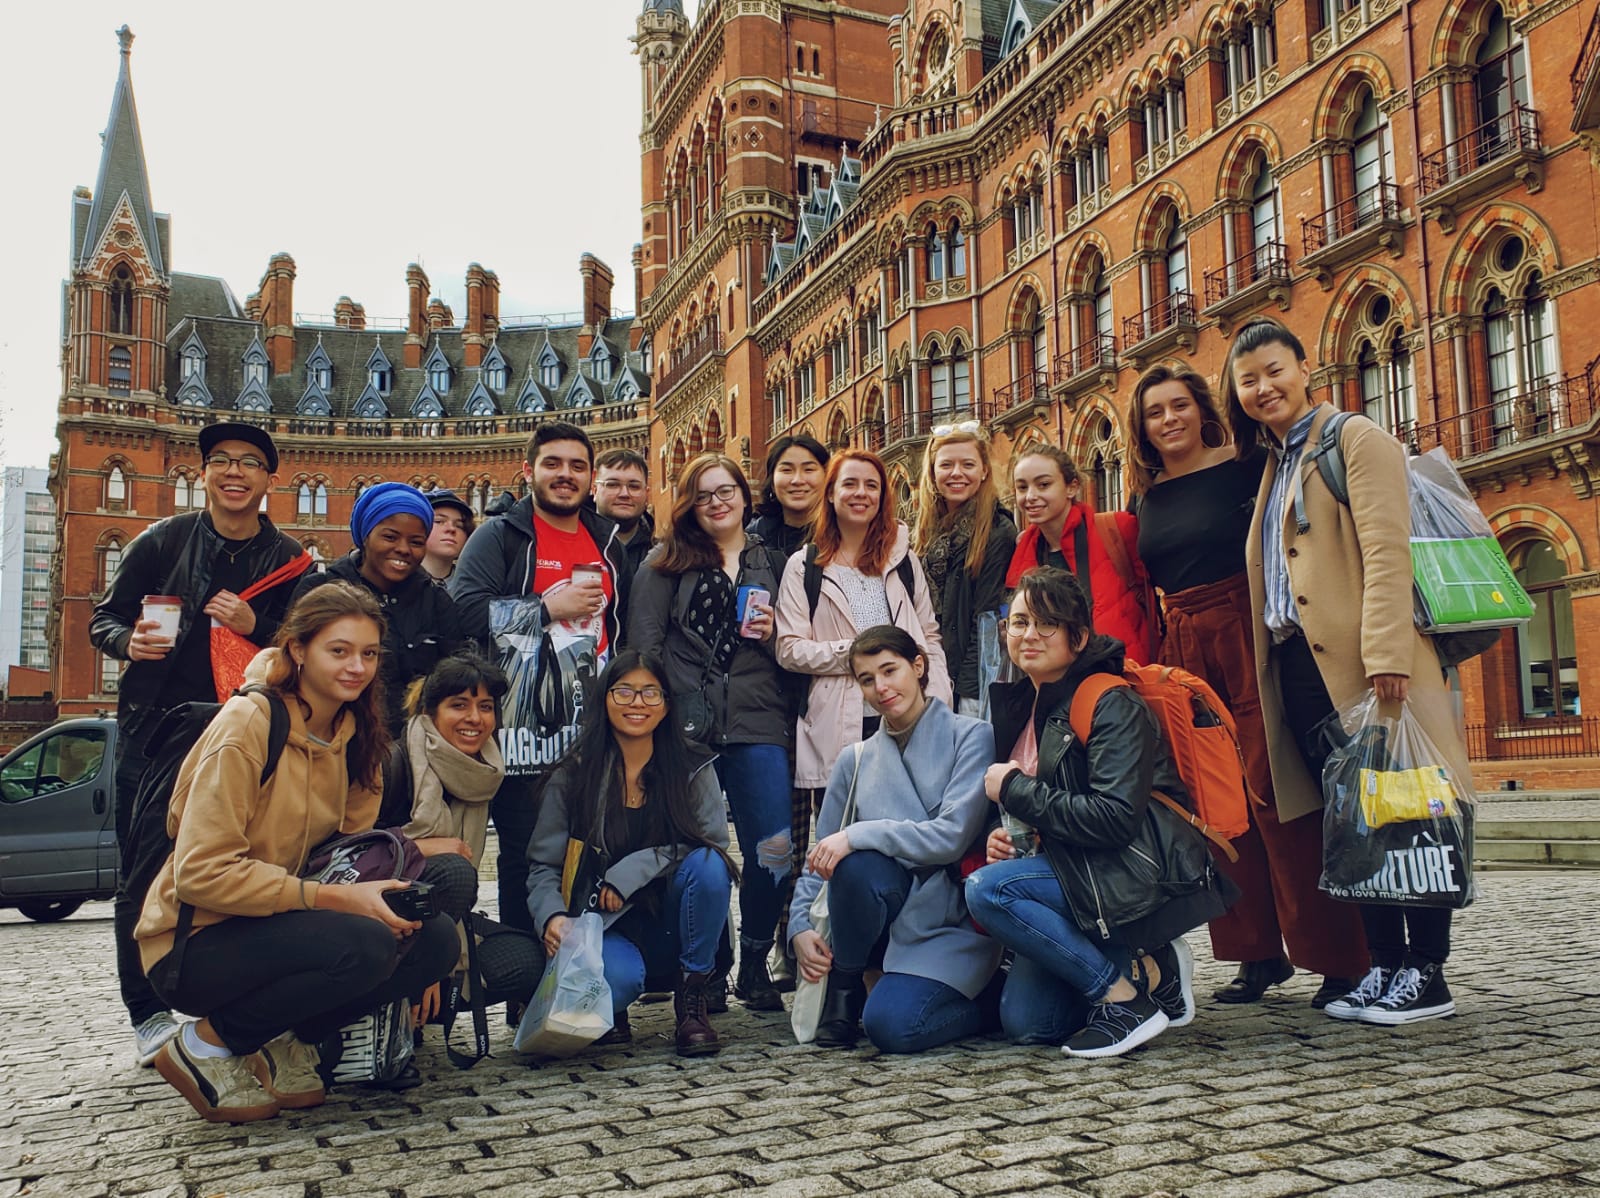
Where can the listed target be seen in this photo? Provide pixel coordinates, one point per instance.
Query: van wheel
(49, 910)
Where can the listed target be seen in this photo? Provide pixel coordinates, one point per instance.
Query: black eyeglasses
(722, 494)
(623, 696)
(221, 461)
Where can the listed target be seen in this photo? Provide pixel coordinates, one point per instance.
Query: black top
(190, 678)
(1193, 528)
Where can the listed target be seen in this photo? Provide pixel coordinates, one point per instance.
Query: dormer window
(549, 368)
(121, 301)
(438, 368)
(255, 372)
(381, 380)
(194, 365)
(495, 378)
(600, 363)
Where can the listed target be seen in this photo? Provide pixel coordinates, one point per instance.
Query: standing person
(1195, 496)
(1096, 912)
(275, 962)
(724, 678)
(622, 495)
(633, 793)
(452, 525)
(204, 559)
(789, 495)
(863, 574)
(1330, 586)
(531, 550)
(1063, 531)
(915, 794)
(390, 524)
(965, 540)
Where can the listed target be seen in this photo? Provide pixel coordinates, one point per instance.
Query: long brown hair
(931, 516)
(684, 544)
(312, 613)
(1145, 458)
(879, 542)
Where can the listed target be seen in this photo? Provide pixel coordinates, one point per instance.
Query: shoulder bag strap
(292, 568)
(480, 1012)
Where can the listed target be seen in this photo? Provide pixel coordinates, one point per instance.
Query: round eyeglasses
(624, 696)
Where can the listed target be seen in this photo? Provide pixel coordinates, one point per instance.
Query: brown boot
(696, 1037)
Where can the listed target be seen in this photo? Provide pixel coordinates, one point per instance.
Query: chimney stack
(491, 303)
(439, 315)
(636, 330)
(347, 314)
(597, 280)
(277, 312)
(416, 316)
(473, 334)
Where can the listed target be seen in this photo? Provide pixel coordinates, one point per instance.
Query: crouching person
(900, 810)
(437, 785)
(1097, 909)
(654, 822)
(271, 962)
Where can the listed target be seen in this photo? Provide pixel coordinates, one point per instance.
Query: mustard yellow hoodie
(239, 846)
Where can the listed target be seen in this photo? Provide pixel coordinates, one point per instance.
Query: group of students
(802, 663)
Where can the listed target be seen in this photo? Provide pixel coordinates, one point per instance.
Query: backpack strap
(908, 576)
(812, 576)
(1328, 454)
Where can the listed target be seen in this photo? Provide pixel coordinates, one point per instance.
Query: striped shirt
(1282, 617)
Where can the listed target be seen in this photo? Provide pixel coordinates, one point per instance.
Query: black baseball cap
(214, 434)
(444, 497)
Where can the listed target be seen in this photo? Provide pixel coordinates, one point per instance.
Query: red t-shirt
(557, 553)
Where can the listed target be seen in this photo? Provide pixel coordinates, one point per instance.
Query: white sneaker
(287, 1069)
(152, 1035)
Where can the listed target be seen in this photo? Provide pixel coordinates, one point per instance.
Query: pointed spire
(122, 169)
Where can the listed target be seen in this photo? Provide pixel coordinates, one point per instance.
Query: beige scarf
(450, 791)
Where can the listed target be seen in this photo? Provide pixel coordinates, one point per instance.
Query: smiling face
(619, 493)
(797, 481)
(891, 685)
(1043, 497)
(958, 471)
(465, 720)
(393, 551)
(235, 489)
(560, 476)
(449, 533)
(1173, 420)
(635, 719)
(857, 494)
(338, 663)
(718, 516)
(1043, 652)
(1274, 387)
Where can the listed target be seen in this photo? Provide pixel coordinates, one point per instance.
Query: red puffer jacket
(1119, 611)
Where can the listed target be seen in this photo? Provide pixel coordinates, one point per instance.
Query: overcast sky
(357, 137)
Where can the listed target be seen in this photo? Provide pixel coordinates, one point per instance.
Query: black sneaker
(1414, 994)
(1359, 1002)
(1118, 1027)
(1174, 993)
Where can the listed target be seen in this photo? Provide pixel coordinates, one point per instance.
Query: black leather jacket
(1132, 871)
(176, 556)
(963, 598)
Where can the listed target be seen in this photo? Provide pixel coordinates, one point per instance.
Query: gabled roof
(533, 397)
(313, 400)
(823, 208)
(378, 360)
(122, 173)
(480, 401)
(584, 392)
(253, 397)
(427, 402)
(255, 353)
(193, 344)
(493, 359)
(370, 405)
(319, 359)
(437, 361)
(1022, 18)
(193, 393)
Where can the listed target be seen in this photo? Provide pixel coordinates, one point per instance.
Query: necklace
(233, 554)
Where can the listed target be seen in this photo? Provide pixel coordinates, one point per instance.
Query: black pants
(515, 809)
(138, 996)
(455, 884)
(1395, 935)
(311, 972)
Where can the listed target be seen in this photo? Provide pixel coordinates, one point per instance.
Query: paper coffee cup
(165, 610)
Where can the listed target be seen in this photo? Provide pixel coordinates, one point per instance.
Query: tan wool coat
(820, 646)
(1351, 578)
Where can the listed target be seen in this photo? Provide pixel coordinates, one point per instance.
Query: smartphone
(749, 598)
(414, 902)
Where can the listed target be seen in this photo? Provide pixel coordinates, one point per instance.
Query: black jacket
(423, 627)
(745, 706)
(644, 540)
(176, 556)
(778, 535)
(1131, 870)
(498, 563)
(963, 598)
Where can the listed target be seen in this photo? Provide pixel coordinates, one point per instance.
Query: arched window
(302, 506)
(314, 549)
(1499, 85)
(1175, 255)
(1371, 162)
(116, 489)
(119, 370)
(1265, 220)
(1105, 466)
(960, 376)
(1547, 650)
(1100, 288)
(439, 377)
(935, 254)
(778, 396)
(319, 503)
(1032, 357)
(121, 313)
(181, 493)
(193, 365)
(958, 251)
(110, 563)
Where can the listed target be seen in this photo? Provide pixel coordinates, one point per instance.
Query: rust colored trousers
(1209, 633)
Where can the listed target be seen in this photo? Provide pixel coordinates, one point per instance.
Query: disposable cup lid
(169, 599)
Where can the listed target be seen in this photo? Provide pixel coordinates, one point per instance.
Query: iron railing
(705, 341)
(1541, 410)
(1557, 736)
(1175, 309)
(1267, 261)
(1378, 204)
(1586, 55)
(1030, 386)
(1514, 132)
(1097, 351)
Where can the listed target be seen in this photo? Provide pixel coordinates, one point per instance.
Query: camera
(414, 902)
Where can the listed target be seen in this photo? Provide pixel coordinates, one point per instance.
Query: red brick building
(149, 355)
(863, 219)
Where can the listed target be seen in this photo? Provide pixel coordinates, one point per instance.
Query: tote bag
(807, 1009)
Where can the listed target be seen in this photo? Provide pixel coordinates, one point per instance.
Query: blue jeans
(757, 779)
(1020, 903)
(683, 935)
(904, 1012)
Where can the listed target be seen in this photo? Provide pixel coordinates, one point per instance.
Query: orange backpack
(1203, 739)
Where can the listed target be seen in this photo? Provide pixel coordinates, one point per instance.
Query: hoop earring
(1221, 434)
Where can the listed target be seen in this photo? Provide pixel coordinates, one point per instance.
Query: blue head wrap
(377, 503)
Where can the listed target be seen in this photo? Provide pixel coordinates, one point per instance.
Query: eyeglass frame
(965, 426)
(245, 462)
(631, 485)
(1030, 621)
(705, 498)
(636, 693)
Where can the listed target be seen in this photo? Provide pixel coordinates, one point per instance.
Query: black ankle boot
(839, 1024)
(1253, 980)
(753, 987)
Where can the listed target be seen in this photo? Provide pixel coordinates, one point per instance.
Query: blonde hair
(931, 516)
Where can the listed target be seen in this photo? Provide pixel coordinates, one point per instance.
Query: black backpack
(812, 577)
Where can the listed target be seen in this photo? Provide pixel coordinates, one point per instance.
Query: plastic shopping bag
(550, 669)
(806, 1012)
(572, 1006)
(1397, 819)
(1461, 575)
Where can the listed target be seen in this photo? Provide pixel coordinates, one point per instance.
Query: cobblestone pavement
(1248, 1102)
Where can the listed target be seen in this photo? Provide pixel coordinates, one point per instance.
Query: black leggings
(311, 972)
(1396, 936)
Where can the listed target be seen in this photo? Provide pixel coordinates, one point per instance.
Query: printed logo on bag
(550, 669)
(1424, 872)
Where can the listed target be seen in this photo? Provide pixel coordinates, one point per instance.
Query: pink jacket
(818, 645)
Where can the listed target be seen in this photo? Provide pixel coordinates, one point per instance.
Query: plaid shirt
(1281, 615)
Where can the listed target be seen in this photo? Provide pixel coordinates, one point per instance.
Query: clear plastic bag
(1461, 576)
(1397, 820)
(549, 669)
(571, 1008)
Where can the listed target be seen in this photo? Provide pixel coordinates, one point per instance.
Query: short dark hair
(452, 676)
(1057, 596)
(890, 638)
(557, 430)
(622, 459)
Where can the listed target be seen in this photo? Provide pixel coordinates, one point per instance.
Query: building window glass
(119, 372)
(110, 675)
(1105, 466)
(121, 314)
(935, 256)
(1547, 647)
(110, 563)
(116, 488)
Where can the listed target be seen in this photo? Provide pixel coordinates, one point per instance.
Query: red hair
(879, 542)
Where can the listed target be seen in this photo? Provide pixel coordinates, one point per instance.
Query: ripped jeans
(756, 779)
